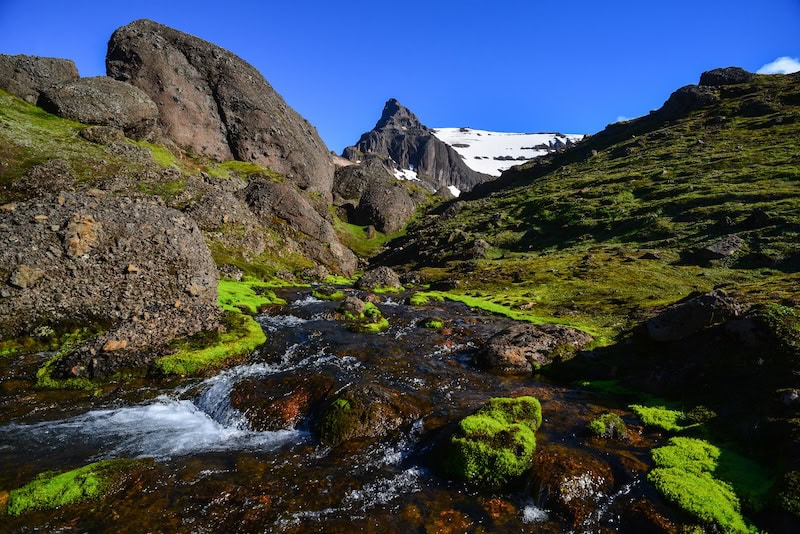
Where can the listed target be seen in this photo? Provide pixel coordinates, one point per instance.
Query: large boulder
(27, 76)
(212, 102)
(388, 208)
(274, 201)
(103, 101)
(726, 76)
(522, 348)
(693, 315)
(380, 277)
(130, 265)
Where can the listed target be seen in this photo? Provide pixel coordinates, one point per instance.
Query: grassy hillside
(567, 234)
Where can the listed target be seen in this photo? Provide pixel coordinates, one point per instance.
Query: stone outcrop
(139, 269)
(271, 201)
(400, 136)
(212, 102)
(522, 348)
(103, 101)
(380, 277)
(693, 315)
(27, 76)
(726, 76)
(387, 208)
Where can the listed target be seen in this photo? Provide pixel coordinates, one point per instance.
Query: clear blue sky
(571, 66)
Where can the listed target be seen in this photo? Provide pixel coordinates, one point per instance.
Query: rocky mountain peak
(398, 117)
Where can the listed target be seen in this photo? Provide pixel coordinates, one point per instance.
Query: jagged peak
(397, 116)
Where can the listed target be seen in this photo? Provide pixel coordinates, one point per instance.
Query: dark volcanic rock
(688, 317)
(387, 208)
(212, 102)
(379, 277)
(103, 101)
(722, 249)
(521, 348)
(350, 182)
(400, 135)
(726, 76)
(138, 267)
(26, 76)
(271, 200)
(685, 100)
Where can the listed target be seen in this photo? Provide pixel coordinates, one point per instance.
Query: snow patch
(454, 190)
(406, 174)
(480, 148)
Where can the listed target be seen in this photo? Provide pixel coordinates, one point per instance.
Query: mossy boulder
(496, 444)
(362, 317)
(608, 425)
(365, 412)
(523, 348)
(53, 489)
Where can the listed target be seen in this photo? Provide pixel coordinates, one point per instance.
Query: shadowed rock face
(26, 76)
(212, 102)
(400, 136)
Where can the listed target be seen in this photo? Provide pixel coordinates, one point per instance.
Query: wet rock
(366, 412)
(693, 315)
(26, 76)
(642, 515)
(103, 101)
(280, 401)
(523, 348)
(571, 481)
(211, 102)
(381, 277)
(353, 306)
(722, 249)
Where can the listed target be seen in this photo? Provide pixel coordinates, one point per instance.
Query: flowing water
(208, 470)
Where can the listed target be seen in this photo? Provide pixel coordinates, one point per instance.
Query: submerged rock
(522, 348)
(366, 411)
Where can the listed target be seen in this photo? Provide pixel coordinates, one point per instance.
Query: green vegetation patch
(433, 323)
(52, 489)
(496, 444)
(609, 426)
(248, 296)
(661, 417)
(684, 475)
(361, 240)
(371, 321)
(324, 293)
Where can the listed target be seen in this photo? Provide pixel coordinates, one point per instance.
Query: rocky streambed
(248, 450)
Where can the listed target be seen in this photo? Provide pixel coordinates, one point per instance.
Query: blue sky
(571, 66)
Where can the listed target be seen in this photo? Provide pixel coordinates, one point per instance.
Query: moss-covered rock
(496, 444)
(52, 489)
(608, 425)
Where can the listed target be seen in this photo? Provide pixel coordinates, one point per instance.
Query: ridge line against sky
(514, 66)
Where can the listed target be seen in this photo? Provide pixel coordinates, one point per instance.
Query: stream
(210, 469)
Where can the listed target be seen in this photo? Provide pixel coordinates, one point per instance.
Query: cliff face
(212, 102)
(400, 136)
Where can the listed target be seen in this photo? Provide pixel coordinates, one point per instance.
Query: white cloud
(782, 65)
(622, 118)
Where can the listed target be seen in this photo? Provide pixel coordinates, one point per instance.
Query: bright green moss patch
(328, 294)
(360, 239)
(242, 337)
(249, 296)
(433, 324)
(339, 280)
(418, 299)
(608, 425)
(661, 417)
(52, 490)
(496, 444)
(371, 321)
(685, 476)
(161, 155)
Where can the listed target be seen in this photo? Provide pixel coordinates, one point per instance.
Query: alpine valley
(211, 323)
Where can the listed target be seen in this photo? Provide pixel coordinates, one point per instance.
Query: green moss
(52, 489)
(357, 238)
(249, 296)
(371, 321)
(707, 482)
(661, 417)
(433, 324)
(418, 299)
(339, 280)
(240, 169)
(161, 155)
(325, 294)
(608, 425)
(496, 444)
(44, 375)
(336, 422)
(242, 337)
(387, 289)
